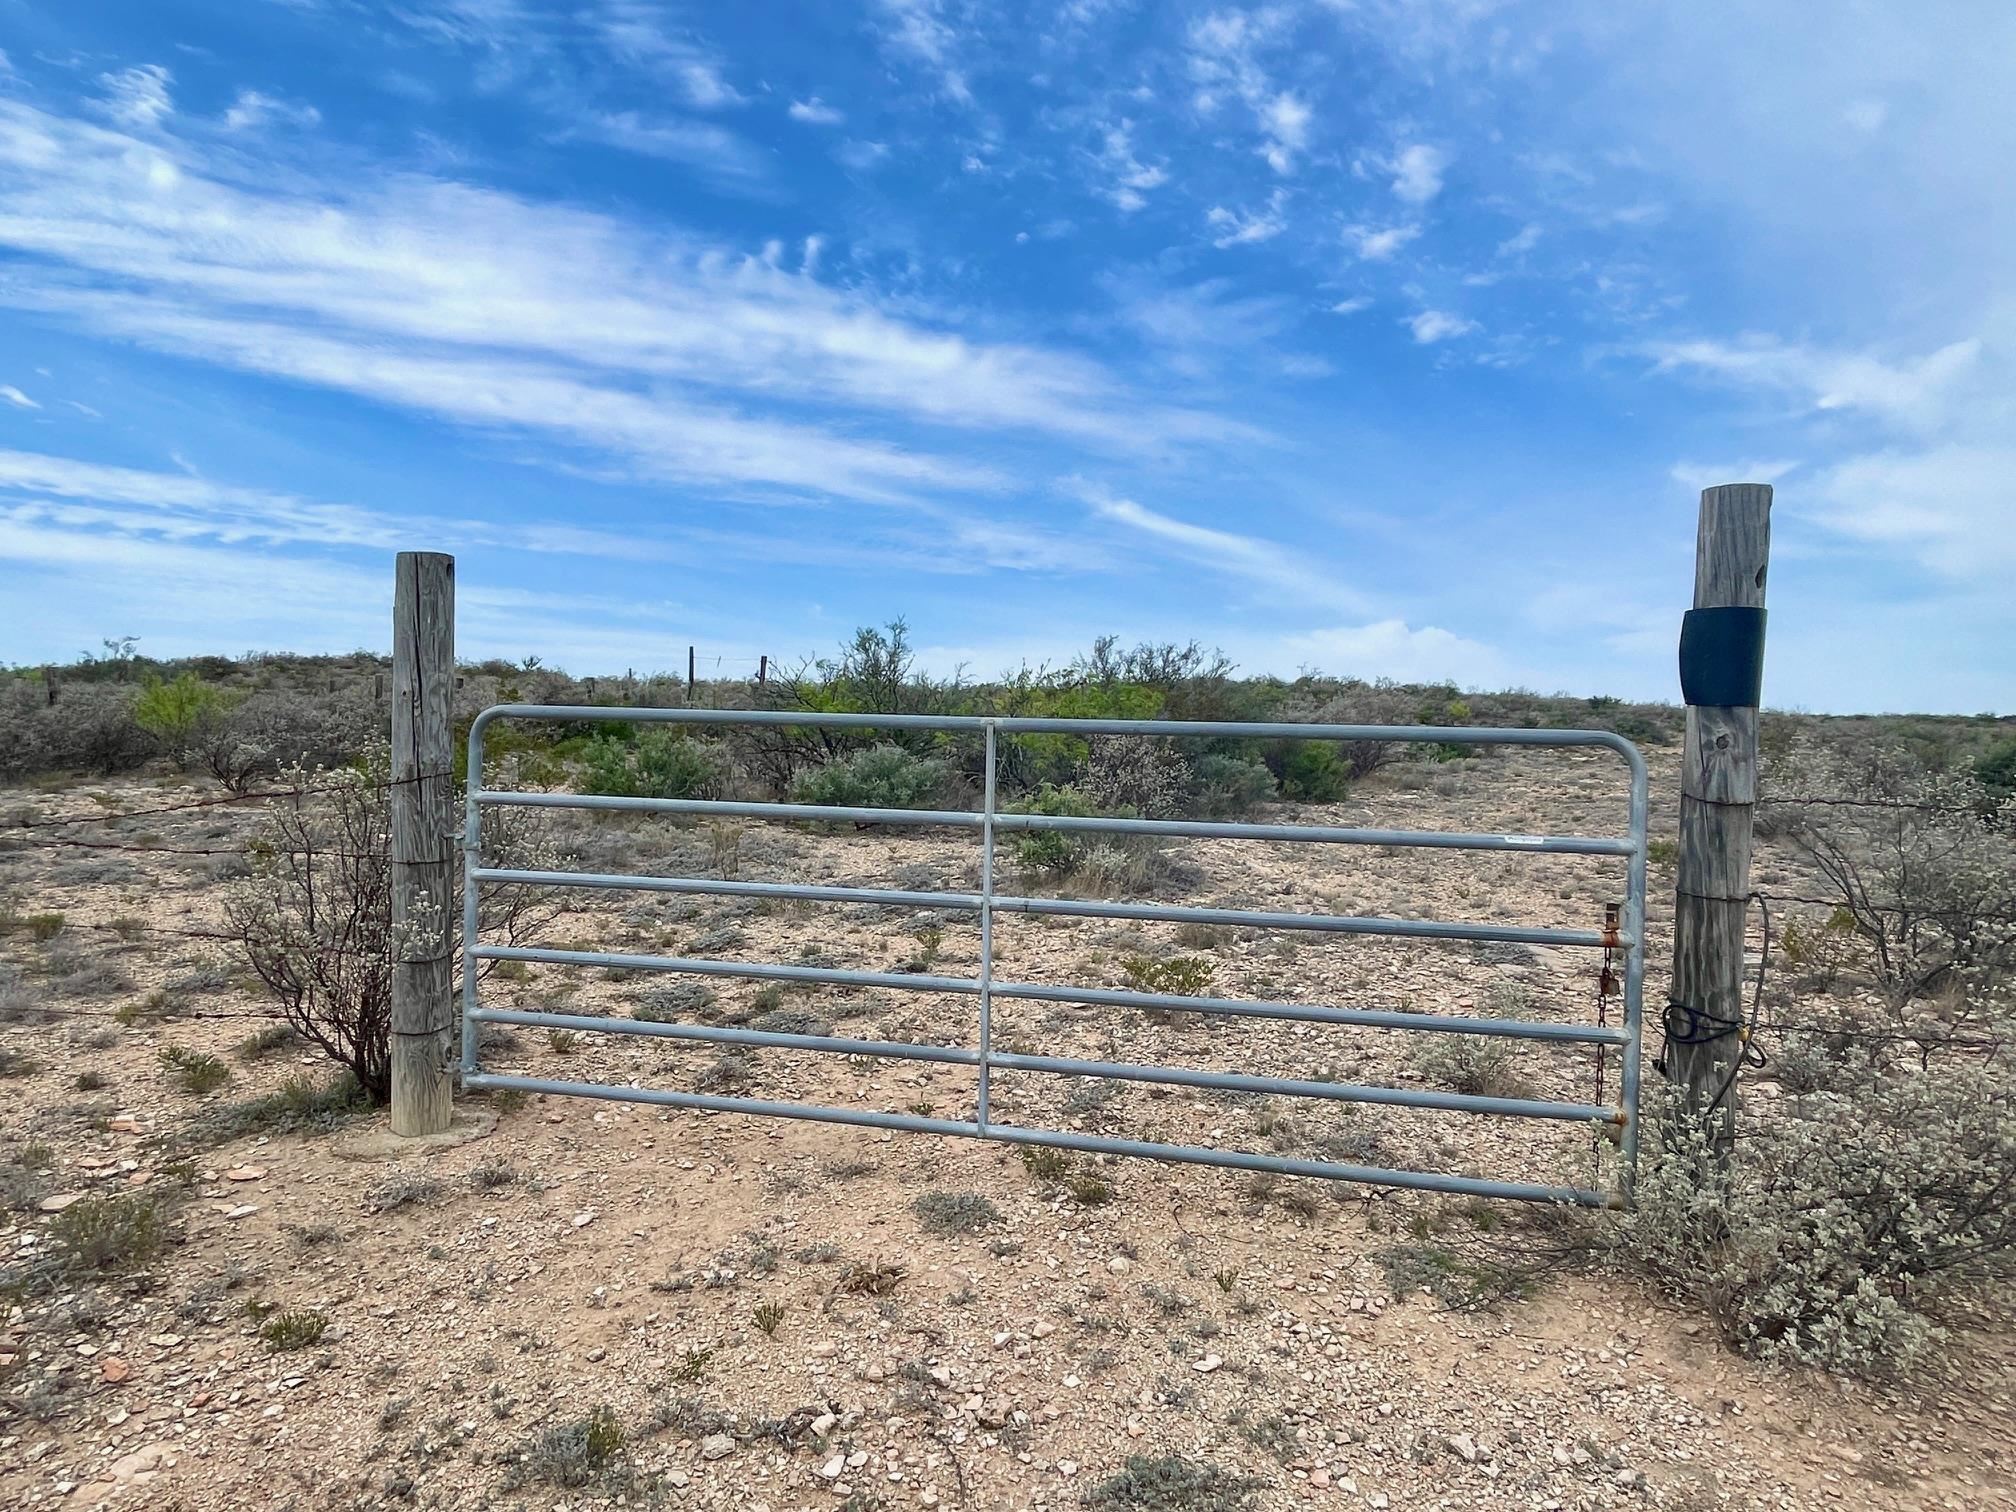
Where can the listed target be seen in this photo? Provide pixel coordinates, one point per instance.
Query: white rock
(716, 1446)
(1463, 1447)
(832, 1468)
(1205, 1366)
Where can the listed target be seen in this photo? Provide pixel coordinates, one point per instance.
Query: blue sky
(1385, 338)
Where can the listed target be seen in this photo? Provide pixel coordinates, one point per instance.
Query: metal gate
(1626, 933)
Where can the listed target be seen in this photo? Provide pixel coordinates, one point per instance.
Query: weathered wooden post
(1721, 670)
(423, 842)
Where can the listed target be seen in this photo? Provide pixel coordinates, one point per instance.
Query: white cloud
(1916, 392)
(137, 97)
(1392, 648)
(1866, 116)
(816, 112)
(1351, 306)
(1524, 240)
(15, 397)
(1224, 48)
(918, 30)
(1128, 178)
(1952, 507)
(540, 318)
(719, 154)
(861, 156)
(1285, 119)
(252, 109)
(636, 33)
(1700, 475)
(1379, 245)
(1417, 173)
(1431, 326)
(1241, 228)
(1275, 568)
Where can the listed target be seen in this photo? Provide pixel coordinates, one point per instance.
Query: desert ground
(602, 1303)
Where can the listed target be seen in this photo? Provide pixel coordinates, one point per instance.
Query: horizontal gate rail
(1057, 1139)
(1627, 937)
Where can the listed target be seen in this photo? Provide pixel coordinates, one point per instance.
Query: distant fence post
(1721, 665)
(423, 840)
(691, 675)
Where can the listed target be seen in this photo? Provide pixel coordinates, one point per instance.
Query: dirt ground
(793, 1315)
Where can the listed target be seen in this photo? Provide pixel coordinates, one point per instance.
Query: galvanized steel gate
(1629, 937)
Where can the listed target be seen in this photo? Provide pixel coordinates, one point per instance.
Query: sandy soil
(589, 1253)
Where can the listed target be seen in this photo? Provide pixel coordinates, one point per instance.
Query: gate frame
(1630, 938)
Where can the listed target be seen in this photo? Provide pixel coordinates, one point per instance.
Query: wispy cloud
(497, 312)
(1127, 180)
(639, 34)
(816, 112)
(1257, 561)
(1431, 326)
(137, 97)
(918, 31)
(1379, 244)
(1224, 58)
(1911, 390)
(1417, 173)
(252, 110)
(15, 397)
(1236, 228)
(719, 154)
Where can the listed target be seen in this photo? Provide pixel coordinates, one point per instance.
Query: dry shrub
(315, 916)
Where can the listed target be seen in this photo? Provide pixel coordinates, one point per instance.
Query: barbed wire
(228, 800)
(1958, 911)
(188, 850)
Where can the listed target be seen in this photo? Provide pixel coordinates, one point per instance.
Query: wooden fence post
(423, 842)
(1718, 787)
(691, 678)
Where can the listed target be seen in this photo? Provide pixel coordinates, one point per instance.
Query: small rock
(114, 1370)
(832, 1468)
(245, 1173)
(597, 1355)
(1119, 1265)
(582, 1220)
(1463, 1447)
(1043, 1330)
(1205, 1366)
(716, 1446)
(243, 1210)
(60, 1201)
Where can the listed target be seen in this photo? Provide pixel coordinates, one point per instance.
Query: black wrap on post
(1722, 658)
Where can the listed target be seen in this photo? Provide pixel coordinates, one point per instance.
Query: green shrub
(1225, 787)
(1179, 976)
(585, 1452)
(293, 1329)
(1314, 772)
(883, 776)
(194, 1070)
(125, 1232)
(948, 1213)
(1995, 769)
(653, 762)
(183, 715)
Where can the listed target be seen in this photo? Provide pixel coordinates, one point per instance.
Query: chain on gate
(1606, 989)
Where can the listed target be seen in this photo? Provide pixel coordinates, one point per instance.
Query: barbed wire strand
(228, 800)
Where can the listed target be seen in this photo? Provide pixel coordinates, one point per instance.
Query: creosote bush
(652, 761)
(884, 776)
(314, 918)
